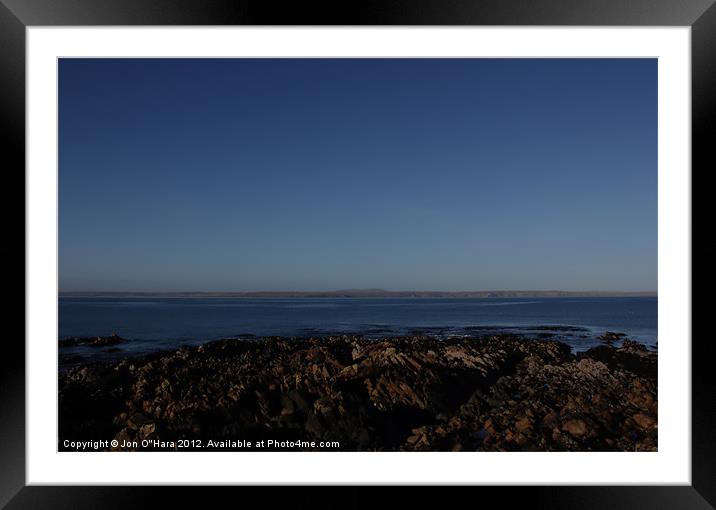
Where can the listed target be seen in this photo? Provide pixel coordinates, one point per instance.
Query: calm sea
(152, 323)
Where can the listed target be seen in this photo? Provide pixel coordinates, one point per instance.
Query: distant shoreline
(359, 293)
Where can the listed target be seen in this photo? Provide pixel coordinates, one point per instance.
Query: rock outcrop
(497, 393)
(92, 341)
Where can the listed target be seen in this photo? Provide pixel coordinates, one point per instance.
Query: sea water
(160, 323)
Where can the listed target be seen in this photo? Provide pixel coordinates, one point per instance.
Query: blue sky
(321, 174)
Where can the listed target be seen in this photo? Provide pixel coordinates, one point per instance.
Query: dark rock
(137, 421)
(490, 393)
(631, 356)
(71, 359)
(95, 341)
(644, 421)
(575, 427)
(610, 337)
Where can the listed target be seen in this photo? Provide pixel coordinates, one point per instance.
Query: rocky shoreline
(492, 393)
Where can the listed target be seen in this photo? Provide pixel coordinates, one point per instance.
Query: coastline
(370, 293)
(492, 393)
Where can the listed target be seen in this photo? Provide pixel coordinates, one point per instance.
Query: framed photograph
(414, 245)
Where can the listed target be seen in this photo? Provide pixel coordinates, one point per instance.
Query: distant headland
(361, 293)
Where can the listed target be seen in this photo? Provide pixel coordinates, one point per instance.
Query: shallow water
(159, 323)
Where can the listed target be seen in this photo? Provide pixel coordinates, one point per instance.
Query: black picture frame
(700, 15)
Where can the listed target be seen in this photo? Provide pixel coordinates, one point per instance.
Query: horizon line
(376, 291)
